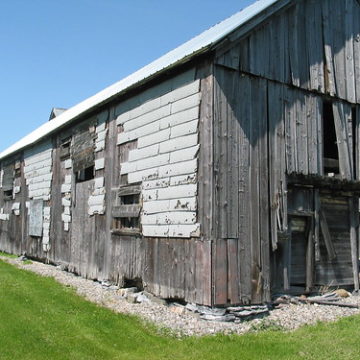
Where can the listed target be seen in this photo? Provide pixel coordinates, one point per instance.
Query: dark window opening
(331, 152)
(130, 199)
(86, 174)
(8, 195)
(130, 223)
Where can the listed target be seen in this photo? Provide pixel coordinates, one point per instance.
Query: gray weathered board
(36, 218)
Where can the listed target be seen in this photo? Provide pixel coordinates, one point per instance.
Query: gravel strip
(288, 317)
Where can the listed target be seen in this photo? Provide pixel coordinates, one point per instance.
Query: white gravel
(288, 317)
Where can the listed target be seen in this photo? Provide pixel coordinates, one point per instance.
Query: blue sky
(56, 53)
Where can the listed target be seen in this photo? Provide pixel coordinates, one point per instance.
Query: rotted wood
(83, 148)
(324, 182)
(121, 211)
(129, 190)
(330, 303)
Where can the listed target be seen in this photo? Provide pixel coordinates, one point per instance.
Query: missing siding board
(123, 157)
(83, 150)
(8, 178)
(331, 152)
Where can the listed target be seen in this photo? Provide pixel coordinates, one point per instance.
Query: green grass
(41, 319)
(8, 255)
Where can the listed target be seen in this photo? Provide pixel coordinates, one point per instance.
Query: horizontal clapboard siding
(165, 160)
(38, 171)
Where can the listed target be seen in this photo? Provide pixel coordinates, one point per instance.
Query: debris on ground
(181, 319)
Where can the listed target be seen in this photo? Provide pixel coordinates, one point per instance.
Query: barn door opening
(300, 227)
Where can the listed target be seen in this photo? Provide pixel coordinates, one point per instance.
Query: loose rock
(288, 316)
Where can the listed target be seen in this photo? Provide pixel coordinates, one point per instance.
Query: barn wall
(271, 90)
(64, 202)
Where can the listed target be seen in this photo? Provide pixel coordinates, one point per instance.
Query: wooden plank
(310, 255)
(8, 177)
(129, 190)
(264, 210)
(148, 118)
(326, 235)
(329, 73)
(186, 204)
(233, 282)
(221, 278)
(184, 154)
(221, 120)
(83, 148)
(356, 44)
(350, 9)
(354, 221)
(171, 218)
(275, 105)
(314, 39)
(338, 28)
(232, 149)
(36, 218)
(343, 126)
(126, 211)
(178, 143)
(244, 249)
(286, 268)
(255, 244)
(293, 45)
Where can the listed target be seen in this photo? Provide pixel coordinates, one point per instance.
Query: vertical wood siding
(313, 44)
(241, 260)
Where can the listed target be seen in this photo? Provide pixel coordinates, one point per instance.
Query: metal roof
(198, 44)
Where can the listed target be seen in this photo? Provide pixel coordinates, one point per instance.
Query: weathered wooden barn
(223, 172)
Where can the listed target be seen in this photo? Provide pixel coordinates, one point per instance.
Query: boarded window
(8, 181)
(65, 148)
(36, 218)
(17, 168)
(127, 214)
(83, 149)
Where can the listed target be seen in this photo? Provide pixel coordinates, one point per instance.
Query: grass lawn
(41, 319)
